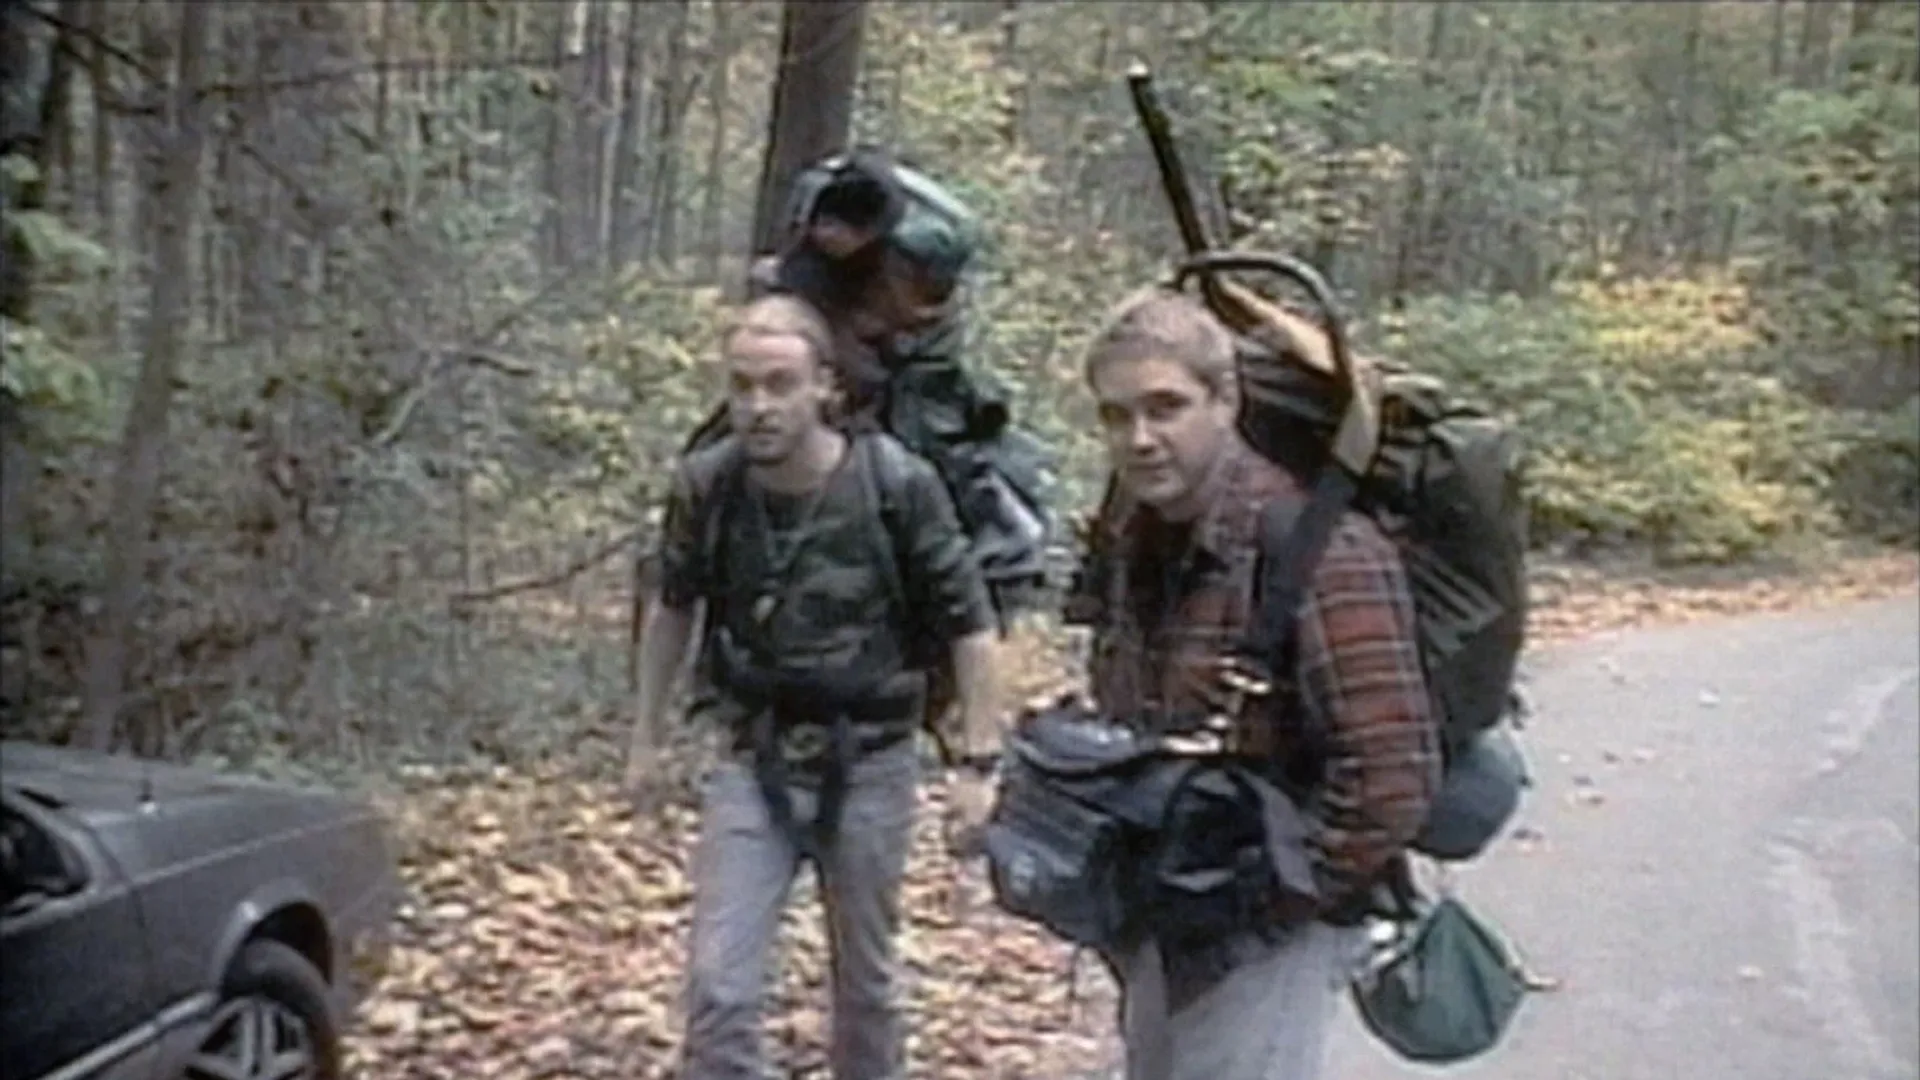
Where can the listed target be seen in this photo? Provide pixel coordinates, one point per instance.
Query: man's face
(777, 393)
(1164, 429)
(837, 239)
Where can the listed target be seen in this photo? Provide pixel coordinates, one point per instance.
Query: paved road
(1728, 875)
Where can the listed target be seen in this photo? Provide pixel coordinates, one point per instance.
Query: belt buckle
(803, 742)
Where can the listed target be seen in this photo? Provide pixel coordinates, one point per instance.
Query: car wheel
(273, 1022)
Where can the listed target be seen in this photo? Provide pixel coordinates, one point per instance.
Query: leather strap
(770, 770)
(1292, 540)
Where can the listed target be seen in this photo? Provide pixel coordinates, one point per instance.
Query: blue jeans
(1267, 1019)
(743, 871)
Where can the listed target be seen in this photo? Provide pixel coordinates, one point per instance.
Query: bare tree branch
(558, 577)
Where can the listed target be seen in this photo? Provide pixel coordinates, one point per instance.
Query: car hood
(83, 780)
(153, 816)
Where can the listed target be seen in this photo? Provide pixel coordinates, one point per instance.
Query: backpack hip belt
(822, 738)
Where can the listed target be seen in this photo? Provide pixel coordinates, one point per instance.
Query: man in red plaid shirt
(1352, 727)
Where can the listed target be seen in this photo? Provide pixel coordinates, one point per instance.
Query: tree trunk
(56, 99)
(1009, 60)
(1860, 54)
(812, 101)
(1816, 43)
(261, 249)
(717, 97)
(100, 85)
(1777, 42)
(663, 218)
(1411, 262)
(625, 218)
(143, 444)
(1691, 244)
(592, 119)
(554, 173)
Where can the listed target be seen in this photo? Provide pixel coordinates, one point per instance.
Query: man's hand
(969, 802)
(664, 636)
(641, 782)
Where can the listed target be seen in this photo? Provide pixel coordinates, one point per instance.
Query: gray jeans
(743, 874)
(1266, 1020)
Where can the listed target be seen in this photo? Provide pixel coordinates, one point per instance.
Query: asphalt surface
(1720, 862)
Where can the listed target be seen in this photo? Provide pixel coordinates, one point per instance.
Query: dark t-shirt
(799, 579)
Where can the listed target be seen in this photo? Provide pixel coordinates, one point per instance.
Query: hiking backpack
(1441, 478)
(1000, 476)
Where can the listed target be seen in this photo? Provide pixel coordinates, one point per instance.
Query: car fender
(256, 908)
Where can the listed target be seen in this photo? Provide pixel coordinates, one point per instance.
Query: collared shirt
(1357, 724)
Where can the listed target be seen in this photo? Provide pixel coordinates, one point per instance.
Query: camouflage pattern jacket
(836, 599)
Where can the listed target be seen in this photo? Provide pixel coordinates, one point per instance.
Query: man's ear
(833, 391)
(1227, 394)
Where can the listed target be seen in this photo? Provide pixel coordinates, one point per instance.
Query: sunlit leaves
(1650, 411)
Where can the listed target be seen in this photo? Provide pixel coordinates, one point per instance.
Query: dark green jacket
(850, 595)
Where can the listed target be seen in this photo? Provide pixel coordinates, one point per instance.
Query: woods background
(346, 343)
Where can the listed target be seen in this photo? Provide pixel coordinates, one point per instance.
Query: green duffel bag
(1443, 988)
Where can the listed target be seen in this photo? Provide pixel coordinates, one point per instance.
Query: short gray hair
(782, 315)
(1160, 323)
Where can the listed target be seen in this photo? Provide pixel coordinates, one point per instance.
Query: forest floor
(545, 933)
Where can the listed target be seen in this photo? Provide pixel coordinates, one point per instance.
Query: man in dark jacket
(1352, 728)
(829, 570)
(885, 253)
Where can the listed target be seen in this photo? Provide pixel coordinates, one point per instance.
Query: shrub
(1652, 412)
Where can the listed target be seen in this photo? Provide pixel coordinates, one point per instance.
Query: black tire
(278, 974)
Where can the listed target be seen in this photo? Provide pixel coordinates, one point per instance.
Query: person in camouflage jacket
(828, 570)
(885, 253)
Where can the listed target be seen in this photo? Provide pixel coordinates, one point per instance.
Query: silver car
(168, 923)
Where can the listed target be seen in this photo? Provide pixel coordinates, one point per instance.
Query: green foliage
(63, 395)
(1297, 154)
(1040, 283)
(1839, 164)
(1876, 488)
(48, 380)
(1685, 265)
(1649, 413)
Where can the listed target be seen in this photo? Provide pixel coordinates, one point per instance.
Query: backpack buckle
(800, 743)
(1210, 741)
(1243, 683)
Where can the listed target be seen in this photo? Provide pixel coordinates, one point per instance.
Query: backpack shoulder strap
(729, 473)
(1293, 537)
(881, 472)
(878, 467)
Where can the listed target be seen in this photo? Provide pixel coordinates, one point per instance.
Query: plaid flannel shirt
(1171, 616)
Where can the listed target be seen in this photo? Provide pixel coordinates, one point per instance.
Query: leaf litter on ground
(545, 934)
(545, 938)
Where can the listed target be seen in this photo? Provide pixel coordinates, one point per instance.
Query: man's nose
(1140, 435)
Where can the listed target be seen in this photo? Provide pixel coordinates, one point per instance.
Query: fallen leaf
(391, 1016)
(545, 934)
